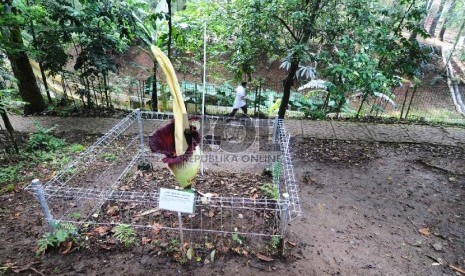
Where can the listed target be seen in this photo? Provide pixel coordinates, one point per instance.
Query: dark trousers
(244, 109)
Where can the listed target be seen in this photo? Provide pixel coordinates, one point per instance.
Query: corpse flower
(178, 140)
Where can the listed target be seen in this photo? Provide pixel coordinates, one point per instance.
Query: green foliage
(8, 91)
(270, 190)
(42, 149)
(235, 237)
(61, 233)
(43, 140)
(76, 148)
(275, 241)
(276, 171)
(75, 215)
(8, 175)
(125, 234)
(109, 156)
(7, 189)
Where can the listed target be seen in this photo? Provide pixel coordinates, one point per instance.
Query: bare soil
(367, 209)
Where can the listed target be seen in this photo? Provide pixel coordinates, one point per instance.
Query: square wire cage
(106, 185)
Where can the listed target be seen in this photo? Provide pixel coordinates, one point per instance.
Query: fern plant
(125, 234)
(43, 139)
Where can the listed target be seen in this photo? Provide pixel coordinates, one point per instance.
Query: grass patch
(38, 158)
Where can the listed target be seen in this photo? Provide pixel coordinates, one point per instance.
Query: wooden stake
(459, 270)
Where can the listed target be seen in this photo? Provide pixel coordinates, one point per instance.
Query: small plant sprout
(110, 157)
(275, 241)
(237, 238)
(270, 190)
(125, 234)
(61, 234)
(75, 215)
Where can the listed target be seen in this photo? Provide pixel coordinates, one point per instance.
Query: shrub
(44, 140)
(61, 234)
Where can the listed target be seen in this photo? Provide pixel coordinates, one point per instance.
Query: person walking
(240, 102)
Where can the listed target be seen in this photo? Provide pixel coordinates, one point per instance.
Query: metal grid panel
(284, 138)
(248, 216)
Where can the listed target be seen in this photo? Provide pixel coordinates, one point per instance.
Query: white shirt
(240, 100)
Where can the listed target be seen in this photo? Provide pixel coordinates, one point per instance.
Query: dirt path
(376, 200)
(392, 133)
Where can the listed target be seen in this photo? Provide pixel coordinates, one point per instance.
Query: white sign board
(177, 201)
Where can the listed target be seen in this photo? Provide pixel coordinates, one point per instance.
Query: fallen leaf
(68, 246)
(190, 253)
(113, 211)
(211, 214)
(264, 258)
(212, 256)
(209, 245)
(102, 230)
(425, 231)
(240, 251)
(156, 228)
(146, 240)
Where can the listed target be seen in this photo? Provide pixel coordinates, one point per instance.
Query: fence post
(141, 139)
(275, 129)
(284, 214)
(39, 193)
(284, 220)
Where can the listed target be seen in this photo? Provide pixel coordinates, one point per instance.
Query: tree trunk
(9, 129)
(44, 80)
(105, 89)
(361, 105)
(289, 81)
(42, 72)
(411, 100)
(457, 38)
(22, 70)
(405, 100)
(434, 24)
(443, 30)
(446, 19)
(421, 24)
(154, 89)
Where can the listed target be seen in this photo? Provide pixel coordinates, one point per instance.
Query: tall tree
(289, 25)
(446, 19)
(11, 40)
(421, 23)
(437, 16)
(5, 99)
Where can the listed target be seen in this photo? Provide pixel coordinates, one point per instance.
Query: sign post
(177, 201)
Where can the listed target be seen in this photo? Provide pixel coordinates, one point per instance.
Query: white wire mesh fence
(105, 186)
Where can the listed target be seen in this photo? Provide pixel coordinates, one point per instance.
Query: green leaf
(61, 235)
(212, 256)
(190, 253)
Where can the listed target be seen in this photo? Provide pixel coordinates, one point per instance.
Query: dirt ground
(367, 209)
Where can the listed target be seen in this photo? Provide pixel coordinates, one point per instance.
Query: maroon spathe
(162, 141)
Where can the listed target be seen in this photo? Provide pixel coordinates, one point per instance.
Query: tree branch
(287, 27)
